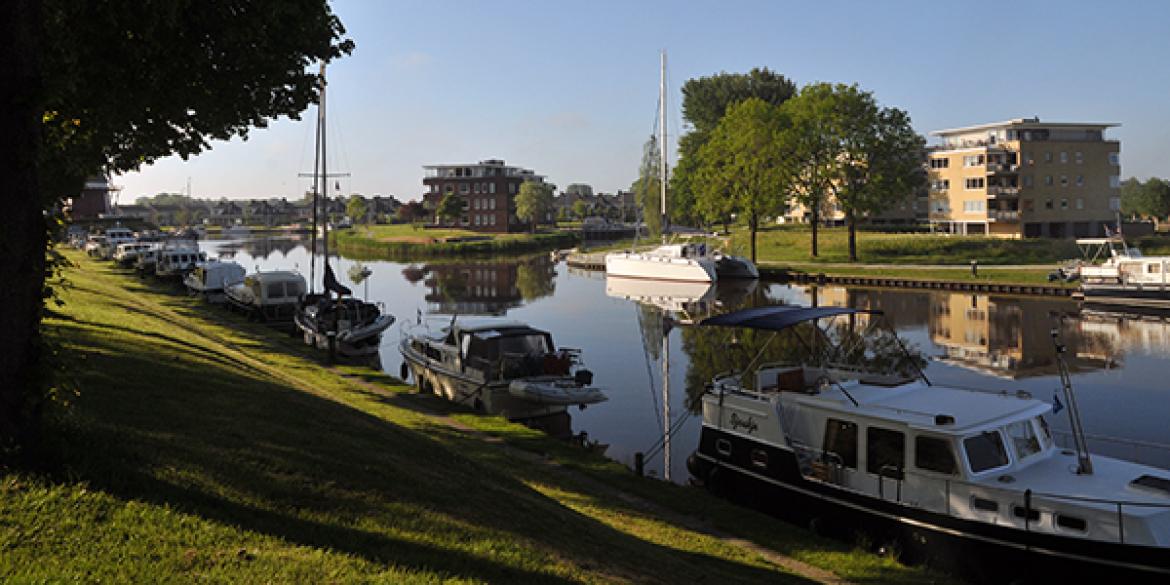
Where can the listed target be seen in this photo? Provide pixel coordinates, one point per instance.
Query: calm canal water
(1121, 365)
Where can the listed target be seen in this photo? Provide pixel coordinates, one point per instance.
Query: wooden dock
(597, 262)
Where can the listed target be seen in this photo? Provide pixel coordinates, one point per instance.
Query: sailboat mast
(662, 140)
(666, 323)
(316, 190)
(324, 170)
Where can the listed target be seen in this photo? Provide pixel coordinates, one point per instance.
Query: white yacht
(210, 279)
(267, 296)
(1125, 276)
(126, 254)
(890, 454)
(499, 367)
(175, 263)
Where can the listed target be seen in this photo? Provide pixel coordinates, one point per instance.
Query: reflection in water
(484, 287)
(260, 248)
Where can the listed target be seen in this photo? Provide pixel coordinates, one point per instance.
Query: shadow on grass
(207, 440)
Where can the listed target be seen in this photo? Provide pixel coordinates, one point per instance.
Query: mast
(316, 186)
(324, 171)
(666, 321)
(1084, 464)
(662, 140)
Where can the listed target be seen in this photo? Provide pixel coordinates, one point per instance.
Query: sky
(570, 89)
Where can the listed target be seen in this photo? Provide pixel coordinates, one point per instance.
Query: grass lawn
(205, 448)
(403, 232)
(986, 275)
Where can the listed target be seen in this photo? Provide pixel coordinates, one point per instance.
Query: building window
(1115, 204)
(974, 183)
(492, 218)
(492, 188)
(1047, 204)
(1064, 180)
(1080, 180)
(1114, 159)
(463, 189)
(511, 188)
(1047, 157)
(475, 188)
(1115, 181)
(940, 163)
(940, 185)
(1027, 180)
(449, 188)
(1080, 203)
(1030, 157)
(973, 160)
(1064, 202)
(1079, 157)
(1063, 157)
(1048, 180)
(1028, 205)
(973, 206)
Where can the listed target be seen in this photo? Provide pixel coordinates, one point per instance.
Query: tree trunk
(814, 220)
(22, 239)
(754, 226)
(852, 221)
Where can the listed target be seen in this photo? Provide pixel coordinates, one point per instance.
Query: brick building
(488, 190)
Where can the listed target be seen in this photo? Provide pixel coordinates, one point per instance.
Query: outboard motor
(583, 377)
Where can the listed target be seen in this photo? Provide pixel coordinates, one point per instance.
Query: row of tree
(757, 146)
(1146, 199)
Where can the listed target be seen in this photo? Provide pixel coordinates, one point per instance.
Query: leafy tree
(533, 202)
(450, 208)
(536, 278)
(705, 102)
(241, 65)
(1149, 199)
(647, 188)
(881, 160)
(411, 211)
(580, 209)
(743, 169)
(813, 147)
(356, 209)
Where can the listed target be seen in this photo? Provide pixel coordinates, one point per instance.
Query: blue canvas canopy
(779, 317)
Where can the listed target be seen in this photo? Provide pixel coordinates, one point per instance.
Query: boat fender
(583, 377)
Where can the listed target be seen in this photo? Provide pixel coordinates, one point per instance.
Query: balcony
(994, 168)
(1003, 215)
(994, 191)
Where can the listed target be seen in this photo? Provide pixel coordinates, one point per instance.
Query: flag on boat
(331, 283)
(1056, 405)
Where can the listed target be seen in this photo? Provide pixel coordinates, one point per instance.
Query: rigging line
(675, 427)
(646, 360)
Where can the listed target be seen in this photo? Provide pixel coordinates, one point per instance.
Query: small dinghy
(555, 391)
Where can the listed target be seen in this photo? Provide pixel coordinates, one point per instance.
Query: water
(1121, 365)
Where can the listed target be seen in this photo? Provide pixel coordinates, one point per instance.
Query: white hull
(555, 391)
(653, 266)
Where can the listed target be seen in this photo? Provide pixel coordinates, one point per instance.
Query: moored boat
(1125, 276)
(267, 296)
(354, 326)
(500, 367)
(834, 443)
(210, 279)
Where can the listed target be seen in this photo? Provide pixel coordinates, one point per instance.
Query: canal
(1120, 363)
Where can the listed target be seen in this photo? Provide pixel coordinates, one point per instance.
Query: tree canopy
(743, 169)
(450, 207)
(356, 208)
(534, 202)
(1146, 199)
(110, 86)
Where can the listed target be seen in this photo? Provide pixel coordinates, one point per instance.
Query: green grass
(205, 448)
(986, 275)
(792, 244)
(403, 242)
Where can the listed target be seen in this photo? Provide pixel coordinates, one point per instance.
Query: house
(487, 190)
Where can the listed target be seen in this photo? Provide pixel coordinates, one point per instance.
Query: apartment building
(488, 190)
(1025, 178)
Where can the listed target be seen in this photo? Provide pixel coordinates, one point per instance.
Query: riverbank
(406, 242)
(203, 447)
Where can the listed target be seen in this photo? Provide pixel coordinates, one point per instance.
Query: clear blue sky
(569, 88)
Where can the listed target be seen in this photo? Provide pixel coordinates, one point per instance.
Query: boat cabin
(216, 275)
(501, 350)
(274, 288)
(178, 261)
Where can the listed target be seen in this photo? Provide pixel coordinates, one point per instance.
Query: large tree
(880, 161)
(534, 202)
(356, 209)
(89, 87)
(705, 101)
(450, 208)
(1146, 199)
(743, 167)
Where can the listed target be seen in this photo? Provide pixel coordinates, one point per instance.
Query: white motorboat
(210, 279)
(126, 254)
(837, 443)
(175, 263)
(267, 296)
(1125, 276)
(114, 236)
(500, 367)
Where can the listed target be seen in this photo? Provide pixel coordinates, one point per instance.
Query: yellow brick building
(1025, 178)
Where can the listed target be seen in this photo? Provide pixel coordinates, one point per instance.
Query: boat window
(1071, 522)
(293, 288)
(985, 451)
(1046, 433)
(885, 452)
(723, 446)
(984, 504)
(274, 290)
(840, 445)
(1024, 438)
(524, 344)
(759, 458)
(1032, 515)
(934, 454)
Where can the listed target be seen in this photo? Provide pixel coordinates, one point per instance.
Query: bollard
(638, 464)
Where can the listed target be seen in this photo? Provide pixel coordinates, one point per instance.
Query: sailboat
(688, 261)
(343, 325)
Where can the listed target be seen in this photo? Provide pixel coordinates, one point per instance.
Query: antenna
(1084, 465)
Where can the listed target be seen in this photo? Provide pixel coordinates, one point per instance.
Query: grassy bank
(203, 447)
(393, 242)
(1038, 276)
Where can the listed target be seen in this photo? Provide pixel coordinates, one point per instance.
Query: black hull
(1145, 297)
(974, 550)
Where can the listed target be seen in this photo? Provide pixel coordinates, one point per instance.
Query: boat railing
(1138, 451)
(1103, 518)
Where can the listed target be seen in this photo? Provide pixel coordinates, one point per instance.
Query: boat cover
(778, 317)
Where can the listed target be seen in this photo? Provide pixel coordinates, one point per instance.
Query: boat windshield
(1024, 438)
(492, 345)
(985, 451)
